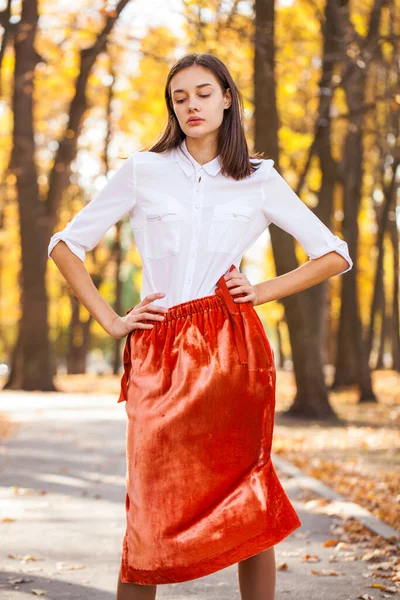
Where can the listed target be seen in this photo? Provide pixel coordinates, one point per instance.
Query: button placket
(194, 242)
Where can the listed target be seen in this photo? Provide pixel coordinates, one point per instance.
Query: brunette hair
(232, 144)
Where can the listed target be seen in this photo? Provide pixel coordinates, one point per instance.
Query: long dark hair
(232, 145)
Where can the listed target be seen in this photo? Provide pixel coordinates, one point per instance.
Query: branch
(66, 152)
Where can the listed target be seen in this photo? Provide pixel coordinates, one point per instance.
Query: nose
(192, 104)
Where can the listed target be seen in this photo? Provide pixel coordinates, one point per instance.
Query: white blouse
(190, 223)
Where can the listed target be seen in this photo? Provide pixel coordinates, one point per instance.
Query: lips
(195, 120)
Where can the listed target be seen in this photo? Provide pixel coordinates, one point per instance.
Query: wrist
(109, 325)
(263, 292)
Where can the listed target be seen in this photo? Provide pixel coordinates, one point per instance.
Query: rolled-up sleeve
(112, 203)
(284, 208)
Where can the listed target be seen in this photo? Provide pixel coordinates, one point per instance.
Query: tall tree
(311, 396)
(352, 359)
(31, 367)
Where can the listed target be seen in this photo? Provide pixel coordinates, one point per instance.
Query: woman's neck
(203, 150)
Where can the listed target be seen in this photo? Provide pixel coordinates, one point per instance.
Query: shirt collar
(187, 162)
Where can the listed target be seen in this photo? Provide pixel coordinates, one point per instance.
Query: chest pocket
(229, 224)
(162, 230)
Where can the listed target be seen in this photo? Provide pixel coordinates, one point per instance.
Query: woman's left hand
(238, 283)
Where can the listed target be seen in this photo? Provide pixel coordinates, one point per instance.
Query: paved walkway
(62, 494)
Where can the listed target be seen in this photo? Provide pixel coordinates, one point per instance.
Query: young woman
(199, 372)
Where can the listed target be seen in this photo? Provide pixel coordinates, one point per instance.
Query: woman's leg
(134, 591)
(257, 576)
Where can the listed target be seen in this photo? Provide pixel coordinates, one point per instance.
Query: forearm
(76, 275)
(305, 276)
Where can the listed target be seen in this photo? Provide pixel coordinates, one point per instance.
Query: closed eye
(183, 99)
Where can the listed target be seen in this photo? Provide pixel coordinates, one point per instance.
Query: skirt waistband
(196, 305)
(222, 297)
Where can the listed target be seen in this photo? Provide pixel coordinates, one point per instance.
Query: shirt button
(195, 230)
(197, 205)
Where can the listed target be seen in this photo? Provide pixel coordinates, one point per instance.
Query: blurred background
(81, 88)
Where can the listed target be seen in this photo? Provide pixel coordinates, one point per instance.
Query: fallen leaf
(323, 572)
(382, 566)
(38, 592)
(7, 520)
(329, 543)
(382, 587)
(333, 559)
(311, 504)
(310, 558)
(342, 546)
(282, 567)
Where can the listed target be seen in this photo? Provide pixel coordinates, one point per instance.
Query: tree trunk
(31, 366)
(78, 340)
(352, 365)
(396, 308)
(380, 359)
(333, 51)
(379, 291)
(311, 397)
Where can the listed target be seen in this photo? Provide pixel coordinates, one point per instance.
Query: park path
(62, 520)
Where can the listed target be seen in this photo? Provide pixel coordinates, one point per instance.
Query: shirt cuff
(77, 250)
(340, 251)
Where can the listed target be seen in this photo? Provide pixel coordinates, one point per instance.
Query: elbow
(56, 249)
(342, 263)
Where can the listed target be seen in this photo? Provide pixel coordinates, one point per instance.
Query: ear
(228, 98)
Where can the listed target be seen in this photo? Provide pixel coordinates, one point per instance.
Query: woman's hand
(238, 283)
(121, 326)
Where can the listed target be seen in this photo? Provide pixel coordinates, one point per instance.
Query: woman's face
(195, 92)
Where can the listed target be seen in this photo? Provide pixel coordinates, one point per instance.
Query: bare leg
(257, 576)
(134, 591)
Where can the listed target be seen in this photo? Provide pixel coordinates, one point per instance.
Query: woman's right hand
(121, 326)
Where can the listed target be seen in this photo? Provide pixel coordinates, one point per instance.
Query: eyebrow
(198, 86)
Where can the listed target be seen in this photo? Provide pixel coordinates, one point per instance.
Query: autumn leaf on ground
(374, 555)
(310, 558)
(323, 572)
(20, 491)
(29, 557)
(282, 567)
(384, 588)
(358, 458)
(7, 520)
(329, 543)
(333, 558)
(38, 592)
(312, 504)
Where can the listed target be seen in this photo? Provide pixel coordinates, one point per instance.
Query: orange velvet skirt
(202, 492)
